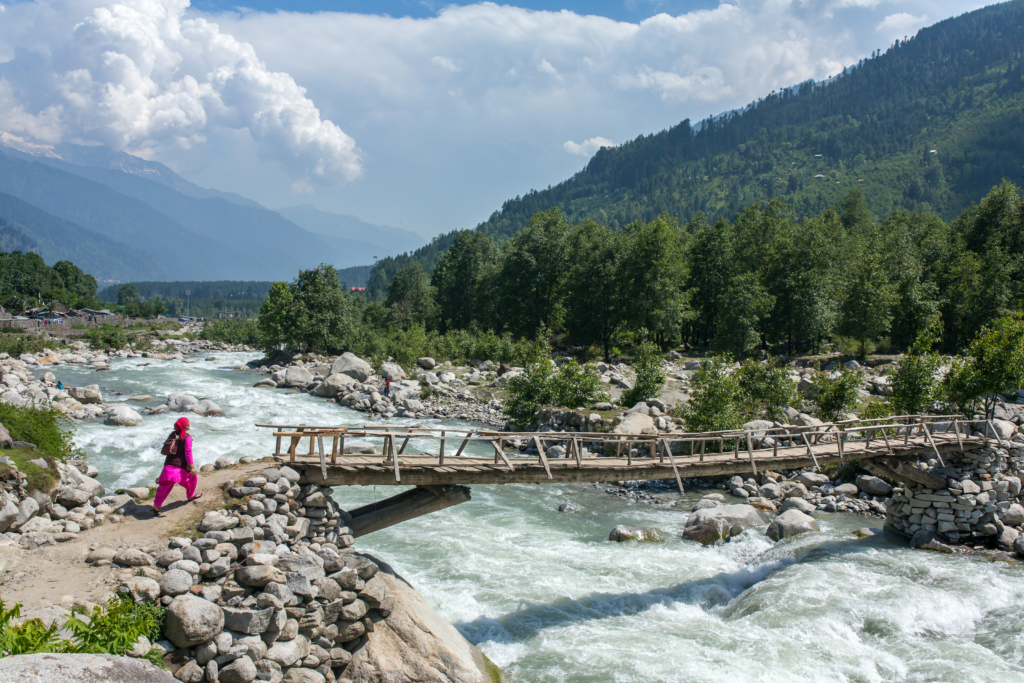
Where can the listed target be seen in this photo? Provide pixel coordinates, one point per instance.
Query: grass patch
(40, 478)
(493, 672)
(46, 427)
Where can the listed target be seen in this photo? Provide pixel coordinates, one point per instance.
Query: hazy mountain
(56, 239)
(147, 206)
(386, 240)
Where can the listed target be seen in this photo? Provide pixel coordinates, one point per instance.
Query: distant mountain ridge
(175, 229)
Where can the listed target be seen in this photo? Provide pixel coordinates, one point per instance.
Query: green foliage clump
(107, 337)
(915, 381)
(312, 313)
(836, 393)
(113, 629)
(716, 398)
(577, 386)
(649, 375)
(14, 344)
(44, 426)
(231, 331)
(765, 389)
(572, 385)
(994, 365)
(530, 390)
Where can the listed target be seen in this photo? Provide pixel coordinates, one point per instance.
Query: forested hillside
(930, 124)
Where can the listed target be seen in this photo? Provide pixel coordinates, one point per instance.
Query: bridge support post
(407, 505)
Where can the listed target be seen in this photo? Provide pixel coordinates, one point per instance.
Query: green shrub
(915, 379)
(715, 399)
(107, 336)
(649, 375)
(231, 331)
(960, 390)
(765, 389)
(44, 426)
(577, 386)
(530, 390)
(113, 629)
(15, 344)
(836, 393)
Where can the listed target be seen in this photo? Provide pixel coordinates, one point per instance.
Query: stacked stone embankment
(980, 504)
(271, 590)
(32, 518)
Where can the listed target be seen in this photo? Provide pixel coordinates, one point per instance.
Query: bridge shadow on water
(707, 593)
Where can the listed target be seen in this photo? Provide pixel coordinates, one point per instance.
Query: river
(550, 600)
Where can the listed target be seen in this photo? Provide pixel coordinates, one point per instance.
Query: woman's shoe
(195, 497)
(157, 513)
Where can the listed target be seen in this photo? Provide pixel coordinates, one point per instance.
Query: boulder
(790, 523)
(770, 491)
(89, 394)
(426, 363)
(143, 589)
(635, 423)
(1014, 515)
(242, 670)
(713, 524)
(27, 509)
(353, 366)
(36, 539)
(8, 515)
(250, 621)
(288, 652)
(623, 533)
(798, 504)
(296, 376)
(207, 408)
(192, 620)
(122, 416)
(850, 490)
(175, 582)
(181, 403)
(5, 438)
(392, 372)
(259, 576)
(132, 557)
(77, 668)
(873, 486)
(414, 643)
(335, 385)
(1004, 429)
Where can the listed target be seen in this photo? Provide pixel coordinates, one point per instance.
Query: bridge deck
(814, 447)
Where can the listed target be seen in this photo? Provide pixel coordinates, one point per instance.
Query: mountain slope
(384, 239)
(56, 239)
(119, 218)
(956, 88)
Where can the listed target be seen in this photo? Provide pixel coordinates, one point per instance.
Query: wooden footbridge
(441, 463)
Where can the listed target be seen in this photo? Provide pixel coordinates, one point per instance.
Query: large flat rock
(414, 643)
(64, 668)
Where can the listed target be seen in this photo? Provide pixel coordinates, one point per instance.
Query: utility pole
(188, 303)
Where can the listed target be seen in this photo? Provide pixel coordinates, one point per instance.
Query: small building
(358, 289)
(225, 315)
(819, 176)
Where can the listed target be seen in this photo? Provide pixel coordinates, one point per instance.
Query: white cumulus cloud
(901, 24)
(587, 148)
(141, 76)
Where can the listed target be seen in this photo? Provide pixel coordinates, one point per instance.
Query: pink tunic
(172, 475)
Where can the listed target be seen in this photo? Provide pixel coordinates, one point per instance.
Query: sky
(422, 115)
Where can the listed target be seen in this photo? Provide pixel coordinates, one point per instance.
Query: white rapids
(549, 599)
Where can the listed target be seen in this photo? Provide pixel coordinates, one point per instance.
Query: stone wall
(980, 505)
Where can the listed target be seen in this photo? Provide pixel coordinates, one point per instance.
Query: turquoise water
(549, 599)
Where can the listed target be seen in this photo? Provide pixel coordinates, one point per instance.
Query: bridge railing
(750, 442)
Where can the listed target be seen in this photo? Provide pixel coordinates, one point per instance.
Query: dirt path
(49, 580)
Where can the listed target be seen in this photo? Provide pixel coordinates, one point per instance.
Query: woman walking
(178, 467)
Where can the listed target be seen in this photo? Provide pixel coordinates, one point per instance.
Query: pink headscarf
(181, 425)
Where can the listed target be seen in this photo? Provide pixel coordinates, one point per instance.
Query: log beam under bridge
(407, 505)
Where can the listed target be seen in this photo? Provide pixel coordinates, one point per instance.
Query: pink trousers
(170, 476)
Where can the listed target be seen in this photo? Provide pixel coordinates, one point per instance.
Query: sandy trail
(47, 581)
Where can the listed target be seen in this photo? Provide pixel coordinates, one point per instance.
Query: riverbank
(549, 598)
